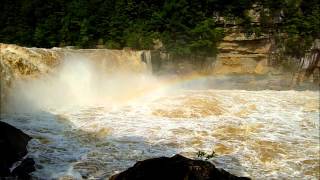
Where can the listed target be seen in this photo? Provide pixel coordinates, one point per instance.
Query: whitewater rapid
(261, 134)
(93, 113)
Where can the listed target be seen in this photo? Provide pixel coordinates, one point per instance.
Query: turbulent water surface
(261, 134)
(89, 123)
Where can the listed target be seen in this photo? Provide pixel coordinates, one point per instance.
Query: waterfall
(21, 64)
(310, 64)
(146, 58)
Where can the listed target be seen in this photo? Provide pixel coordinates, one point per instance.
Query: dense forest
(183, 26)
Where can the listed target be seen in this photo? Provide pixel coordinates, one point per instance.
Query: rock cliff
(239, 54)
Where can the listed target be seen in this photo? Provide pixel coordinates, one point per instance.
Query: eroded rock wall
(239, 54)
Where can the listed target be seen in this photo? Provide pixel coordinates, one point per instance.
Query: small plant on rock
(205, 156)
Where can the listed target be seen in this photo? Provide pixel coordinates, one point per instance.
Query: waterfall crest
(21, 65)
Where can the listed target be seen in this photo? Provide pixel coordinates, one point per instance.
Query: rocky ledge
(13, 151)
(174, 168)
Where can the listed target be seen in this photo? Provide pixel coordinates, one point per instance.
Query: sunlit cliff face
(92, 118)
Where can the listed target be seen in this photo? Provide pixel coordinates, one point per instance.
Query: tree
(186, 27)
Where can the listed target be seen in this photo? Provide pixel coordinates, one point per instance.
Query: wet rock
(13, 149)
(23, 170)
(174, 168)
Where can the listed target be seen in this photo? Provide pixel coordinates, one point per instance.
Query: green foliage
(298, 25)
(112, 45)
(186, 27)
(137, 36)
(204, 38)
(205, 156)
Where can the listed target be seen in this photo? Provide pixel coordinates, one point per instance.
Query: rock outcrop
(13, 143)
(309, 65)
(239, 54)
(174, 168)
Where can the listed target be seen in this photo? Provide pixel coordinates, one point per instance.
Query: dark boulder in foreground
(13, 149)
(174, 168)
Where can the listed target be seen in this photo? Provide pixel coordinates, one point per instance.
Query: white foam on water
(87, 123)
(260, 134)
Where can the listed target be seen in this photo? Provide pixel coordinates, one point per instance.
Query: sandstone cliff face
(239, 54)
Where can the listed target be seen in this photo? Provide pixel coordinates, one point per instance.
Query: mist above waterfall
(103, 110)
(78, 81)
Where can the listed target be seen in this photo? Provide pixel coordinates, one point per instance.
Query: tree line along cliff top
(184, 27)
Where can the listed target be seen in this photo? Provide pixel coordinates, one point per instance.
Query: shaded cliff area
(237, 54)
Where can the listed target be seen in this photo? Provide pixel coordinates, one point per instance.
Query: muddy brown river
(261, 134)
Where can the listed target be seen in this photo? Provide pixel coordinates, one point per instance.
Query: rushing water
(90, 122)
(261, 134)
